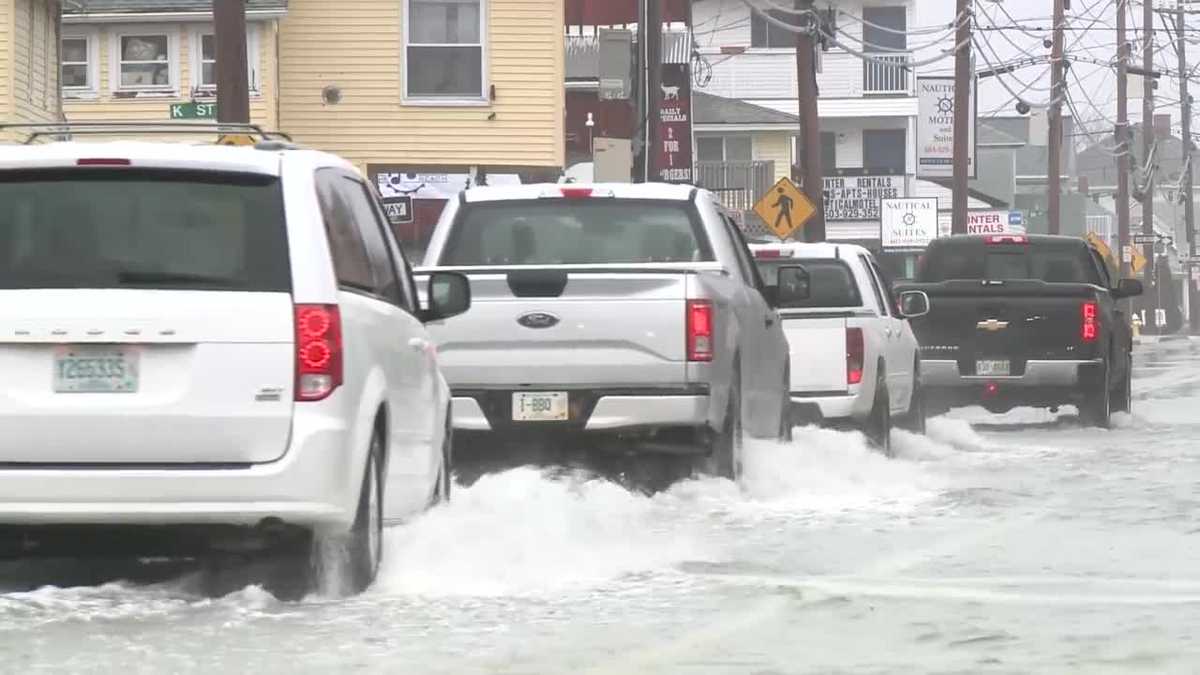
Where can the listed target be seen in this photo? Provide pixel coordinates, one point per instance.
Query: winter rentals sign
(908, 223)
(858, 197)
(935, 128)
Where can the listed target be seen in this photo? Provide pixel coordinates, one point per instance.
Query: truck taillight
(1090, 327)
(318, 351)
(855, 355)
(699, 330)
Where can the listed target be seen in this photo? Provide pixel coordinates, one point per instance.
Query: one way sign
(399, 209)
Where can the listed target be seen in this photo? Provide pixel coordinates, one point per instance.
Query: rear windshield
(575, 232)
(1049, 262)
(830, 282)
(102, 228)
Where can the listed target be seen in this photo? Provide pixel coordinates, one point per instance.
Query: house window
(724, 148)
(77, 62)
(204, 62)
(884, 151)
(828, 152)
(144, 62)
(444, 49)
(769, 35)
(208, 62)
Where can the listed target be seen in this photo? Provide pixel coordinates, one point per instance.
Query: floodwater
(996, 544)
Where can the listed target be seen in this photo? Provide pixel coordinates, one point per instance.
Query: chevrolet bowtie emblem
(992, 325)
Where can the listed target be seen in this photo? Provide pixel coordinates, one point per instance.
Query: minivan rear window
(143, 229)
(576, 232)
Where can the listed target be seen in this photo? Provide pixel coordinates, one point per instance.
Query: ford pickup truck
(624, 318)
(1022, 320)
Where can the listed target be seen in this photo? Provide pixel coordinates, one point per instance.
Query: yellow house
(425, 96)
(28, 63)
(153, 60)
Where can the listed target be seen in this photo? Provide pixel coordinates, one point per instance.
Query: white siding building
(868, 109)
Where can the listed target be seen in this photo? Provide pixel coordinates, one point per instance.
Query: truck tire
(724, 459)
(879, 424)
(914, 419)
(1122, 398)
(1096, 408)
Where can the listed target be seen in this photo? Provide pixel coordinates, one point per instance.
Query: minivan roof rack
(38, 130)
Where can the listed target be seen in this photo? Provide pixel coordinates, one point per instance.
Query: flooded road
(997, 544)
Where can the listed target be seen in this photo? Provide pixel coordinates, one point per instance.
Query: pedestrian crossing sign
(784, 208)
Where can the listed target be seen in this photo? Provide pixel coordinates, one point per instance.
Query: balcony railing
(738, 184)
(886, 74)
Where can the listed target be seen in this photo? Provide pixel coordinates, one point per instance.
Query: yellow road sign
(235, 139)
(784, 208)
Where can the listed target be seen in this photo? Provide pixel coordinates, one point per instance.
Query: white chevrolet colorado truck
(861, 362)
(613, 317)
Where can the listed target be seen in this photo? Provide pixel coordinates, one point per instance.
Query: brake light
(1007, 239)
(855, 355)
(1090, 328)
(576, 193)
(699, 330)
(102, 161)
(318, 351)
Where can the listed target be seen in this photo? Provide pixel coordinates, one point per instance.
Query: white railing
(886, 74)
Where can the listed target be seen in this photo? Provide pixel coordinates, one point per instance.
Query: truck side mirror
(1128, 288)
(914, 304)
(793, 286)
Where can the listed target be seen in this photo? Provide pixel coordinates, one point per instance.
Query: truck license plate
(95, 370)
(992, 367)
(539, 406)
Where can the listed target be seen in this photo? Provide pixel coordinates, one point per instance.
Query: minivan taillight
(1089, 329)
(855, 355)
(699, 330)
(318, 351)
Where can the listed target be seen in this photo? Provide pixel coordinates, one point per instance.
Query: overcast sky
(1092, 87)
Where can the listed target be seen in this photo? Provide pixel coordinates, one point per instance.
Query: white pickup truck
(860, 358)
(612, 317)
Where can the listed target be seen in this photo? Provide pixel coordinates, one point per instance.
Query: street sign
(193, 111)
(1143, 239)
(784, 208)
(908, 223)
(235, 139)
(399, 209)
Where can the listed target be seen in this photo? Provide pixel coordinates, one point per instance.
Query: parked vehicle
(613, 317)
(214, 350)
(1024, 321)
(861, 363)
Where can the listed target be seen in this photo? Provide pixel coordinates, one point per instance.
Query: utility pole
(233, 86)
(1122, 134)
(654, 31)
(1189, 215)
(1149, 156)
(962, 116)
(1055, 122)
(810, 120)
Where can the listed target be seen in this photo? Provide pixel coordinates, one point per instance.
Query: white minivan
(211, 348)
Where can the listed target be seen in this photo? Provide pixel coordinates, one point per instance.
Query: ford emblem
(537, 320)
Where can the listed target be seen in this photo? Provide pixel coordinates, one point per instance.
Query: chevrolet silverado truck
(610, 317)
(1020, 320)
(862, 365)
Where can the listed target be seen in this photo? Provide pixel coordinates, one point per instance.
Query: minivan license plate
(992, 367)
(95, 370)
(539, 406)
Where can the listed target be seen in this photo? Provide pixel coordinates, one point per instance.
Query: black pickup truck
(1020, 320)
